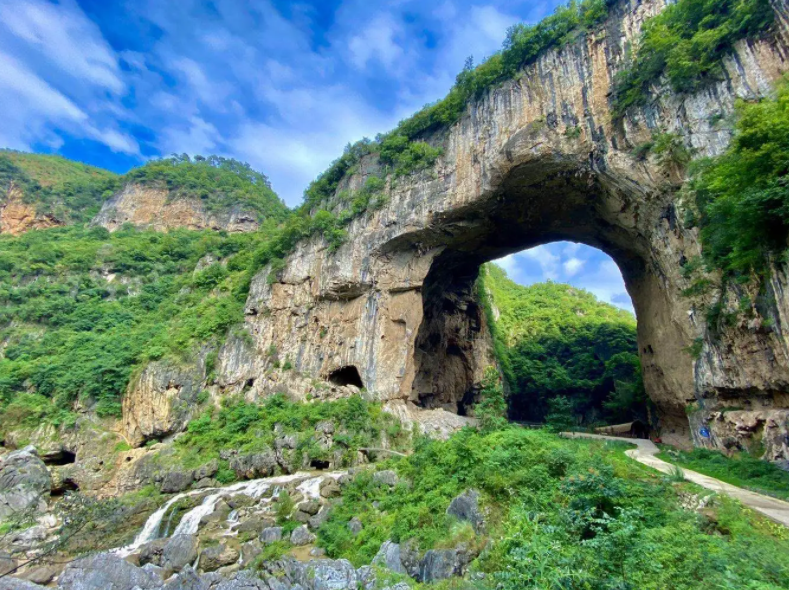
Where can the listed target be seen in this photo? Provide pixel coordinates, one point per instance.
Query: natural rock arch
(536, 160)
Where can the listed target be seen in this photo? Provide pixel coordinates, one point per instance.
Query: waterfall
(191, 520)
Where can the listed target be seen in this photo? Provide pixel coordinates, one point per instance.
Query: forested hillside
(556, 342)
(82, 308)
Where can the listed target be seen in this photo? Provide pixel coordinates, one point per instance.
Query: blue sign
(704, 432)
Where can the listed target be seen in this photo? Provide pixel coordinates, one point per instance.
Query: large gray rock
(7, 564)
(177, 481)
(388, 557)
(465, 507)
(254, 465)
(328, 574)
(316, 521)
(208, 470)
(216, 556)
(179, 551)
(24, 482)
(106, 572)
(302, 536)
(244, 580)
(271, 535)
(386, 477)
(187, 580)
(9, 583)
(440, 564)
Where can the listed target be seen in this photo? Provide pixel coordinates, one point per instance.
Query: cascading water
(191, 520)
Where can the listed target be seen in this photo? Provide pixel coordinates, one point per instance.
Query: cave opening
(347, 375)
(534, 206)
(61, 457)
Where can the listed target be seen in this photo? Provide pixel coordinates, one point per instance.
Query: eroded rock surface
(535, 160)
(157, 209)
(24, 483)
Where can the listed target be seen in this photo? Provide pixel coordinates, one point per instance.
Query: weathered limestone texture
(156, 209)
(536, 160)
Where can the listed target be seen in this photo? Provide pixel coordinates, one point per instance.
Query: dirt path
(775, 509)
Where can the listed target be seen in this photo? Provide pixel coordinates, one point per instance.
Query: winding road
(645, 451)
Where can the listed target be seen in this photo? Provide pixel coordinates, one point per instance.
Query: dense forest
(561, 349)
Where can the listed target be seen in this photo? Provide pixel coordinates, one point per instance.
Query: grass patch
(740, 470)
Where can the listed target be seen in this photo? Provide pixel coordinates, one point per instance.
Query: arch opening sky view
(281, 84)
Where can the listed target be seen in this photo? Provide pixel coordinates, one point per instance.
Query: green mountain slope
(71, 192)
(554, 340)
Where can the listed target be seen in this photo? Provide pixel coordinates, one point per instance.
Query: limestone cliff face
(17, 217)
(157, 209)
(394, 309)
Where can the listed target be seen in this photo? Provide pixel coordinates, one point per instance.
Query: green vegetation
(560, 514)
(740, 470)
(686, 42)
(81, 308)
(555, 341)
(742, 197)
(68, 191)
(247, 427)
(221, 183)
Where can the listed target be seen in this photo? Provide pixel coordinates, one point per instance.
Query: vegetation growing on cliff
(81, 308)
(221, 183)
(69, 191)
(553, 341)
(687, 42)
(560, 514)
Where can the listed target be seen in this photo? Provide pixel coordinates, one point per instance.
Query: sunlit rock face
(536, 160)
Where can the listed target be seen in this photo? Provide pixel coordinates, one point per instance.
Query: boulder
(328, 574)
(250, 551)
(254, 465)
(386, 477)
(207, 471)
(316, 521)
(330, 488)
(179, 551)
(25, 482)
(187, 580)
(271, 535)
(106, 572)
(388, 557)
(9, 583)
(244, 580)
(216, 556)
(440, 564)
(465, 507)
(302, 536)
(43, 574)
(255, 524)
(311, 507)
(7, 564)
(174, 482)
(151, 552)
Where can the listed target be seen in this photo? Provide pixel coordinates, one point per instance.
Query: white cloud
(573, 266)
(66, 37)
(546, 259)
(377, 42)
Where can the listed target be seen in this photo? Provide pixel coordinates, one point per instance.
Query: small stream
(190, 521)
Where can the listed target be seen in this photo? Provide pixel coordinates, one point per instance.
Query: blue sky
(282, 85)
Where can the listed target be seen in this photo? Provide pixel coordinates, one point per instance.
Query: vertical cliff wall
(536, 160)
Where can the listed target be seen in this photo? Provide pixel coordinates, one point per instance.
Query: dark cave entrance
(348, 375)
(62, 457)
(533, 205)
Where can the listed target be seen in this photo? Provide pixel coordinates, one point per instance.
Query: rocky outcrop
(17, 216)
(160, 401)
(157, 209)
(535, 160)
(24, 483)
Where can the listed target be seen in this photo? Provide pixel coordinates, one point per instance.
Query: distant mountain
(39, 191)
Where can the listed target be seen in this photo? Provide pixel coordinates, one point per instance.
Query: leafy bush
(742, 197)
